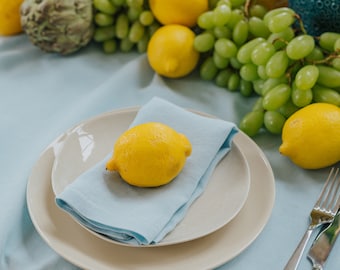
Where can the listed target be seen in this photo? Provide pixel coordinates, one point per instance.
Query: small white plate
(91, 141)
(87, 251)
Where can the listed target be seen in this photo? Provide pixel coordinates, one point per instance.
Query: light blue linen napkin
(104, 203)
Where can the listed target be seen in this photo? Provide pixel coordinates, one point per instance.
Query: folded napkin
(104, 203)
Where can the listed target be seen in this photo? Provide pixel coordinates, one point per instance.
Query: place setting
(200, 219)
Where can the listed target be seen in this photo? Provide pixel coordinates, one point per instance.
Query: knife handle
(324, 243)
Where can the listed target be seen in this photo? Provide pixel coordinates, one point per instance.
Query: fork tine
(336, 194)
(332, 186)
(333, 199)
(325, 189)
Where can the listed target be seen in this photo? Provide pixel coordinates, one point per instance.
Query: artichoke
(61, 26)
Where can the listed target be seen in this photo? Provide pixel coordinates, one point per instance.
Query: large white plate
(87, 251)
(92, 140)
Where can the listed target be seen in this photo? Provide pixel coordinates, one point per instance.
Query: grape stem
(326, 60)
(302, 26)
(280, 39)
(289, 72)
(247, 5)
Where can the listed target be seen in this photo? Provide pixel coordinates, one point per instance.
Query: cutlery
(323, 244)
(323, 212)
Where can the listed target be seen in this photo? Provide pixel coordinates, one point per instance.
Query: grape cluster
(268, 54)
(123, 25)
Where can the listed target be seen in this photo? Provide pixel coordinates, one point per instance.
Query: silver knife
(324, 243)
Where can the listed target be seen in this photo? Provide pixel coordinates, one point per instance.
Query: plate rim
(88, 260)
(134, 110)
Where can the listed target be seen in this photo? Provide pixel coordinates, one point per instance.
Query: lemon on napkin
(149, 155)
(143, 216)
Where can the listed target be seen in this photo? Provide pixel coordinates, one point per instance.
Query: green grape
(300, 46)
(222, 32)
(110, 46)
(220, 61)
(234, 82)
(204, 42)
(252, 122)
(270, 83)
(244, 52)
(225, 47)
(240, 32)
(258, 105)
(306, 77)
(105, 6)
(104, 33)
(135, 3)
(301, 98)
(248, 72)
(337, 45)
(258, 85)
(274, 121)
(103, 19)
(133, 13)
(336, 63)
(126, 45)
(277, 64)
(279, 40)
(257, 10)
(153, 28)
(280, 22)
(257, 28)
(208, 69)
(146, 18)
(206, 20)
(222, 77)
(235, 16)
(328, 39)
(275, 12)
(237, 3)
(136, 32)
(261, 71)
(315, 55)
(235, 63)
(288, 108)
(276, 97)
(246, 88)
(221, 15)
(223, 2)
(325, 94)
(262, 53)
(118, 3)
(213, 3)
(328, 76)
(142, 44)
(122, 26)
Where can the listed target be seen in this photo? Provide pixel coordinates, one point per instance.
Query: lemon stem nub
(111, 165)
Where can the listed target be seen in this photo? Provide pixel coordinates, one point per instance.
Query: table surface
(42, 95)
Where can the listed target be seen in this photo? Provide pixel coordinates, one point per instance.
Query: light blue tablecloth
(42, 95)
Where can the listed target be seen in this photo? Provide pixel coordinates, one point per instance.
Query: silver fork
(323, 212)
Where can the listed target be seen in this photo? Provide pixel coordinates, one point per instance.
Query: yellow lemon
(184, 12)
(171, 51)
(311, 136)
(149, 155)
(10, 17)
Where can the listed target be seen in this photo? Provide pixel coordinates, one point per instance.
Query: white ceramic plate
(87, 251)
(91, 141)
